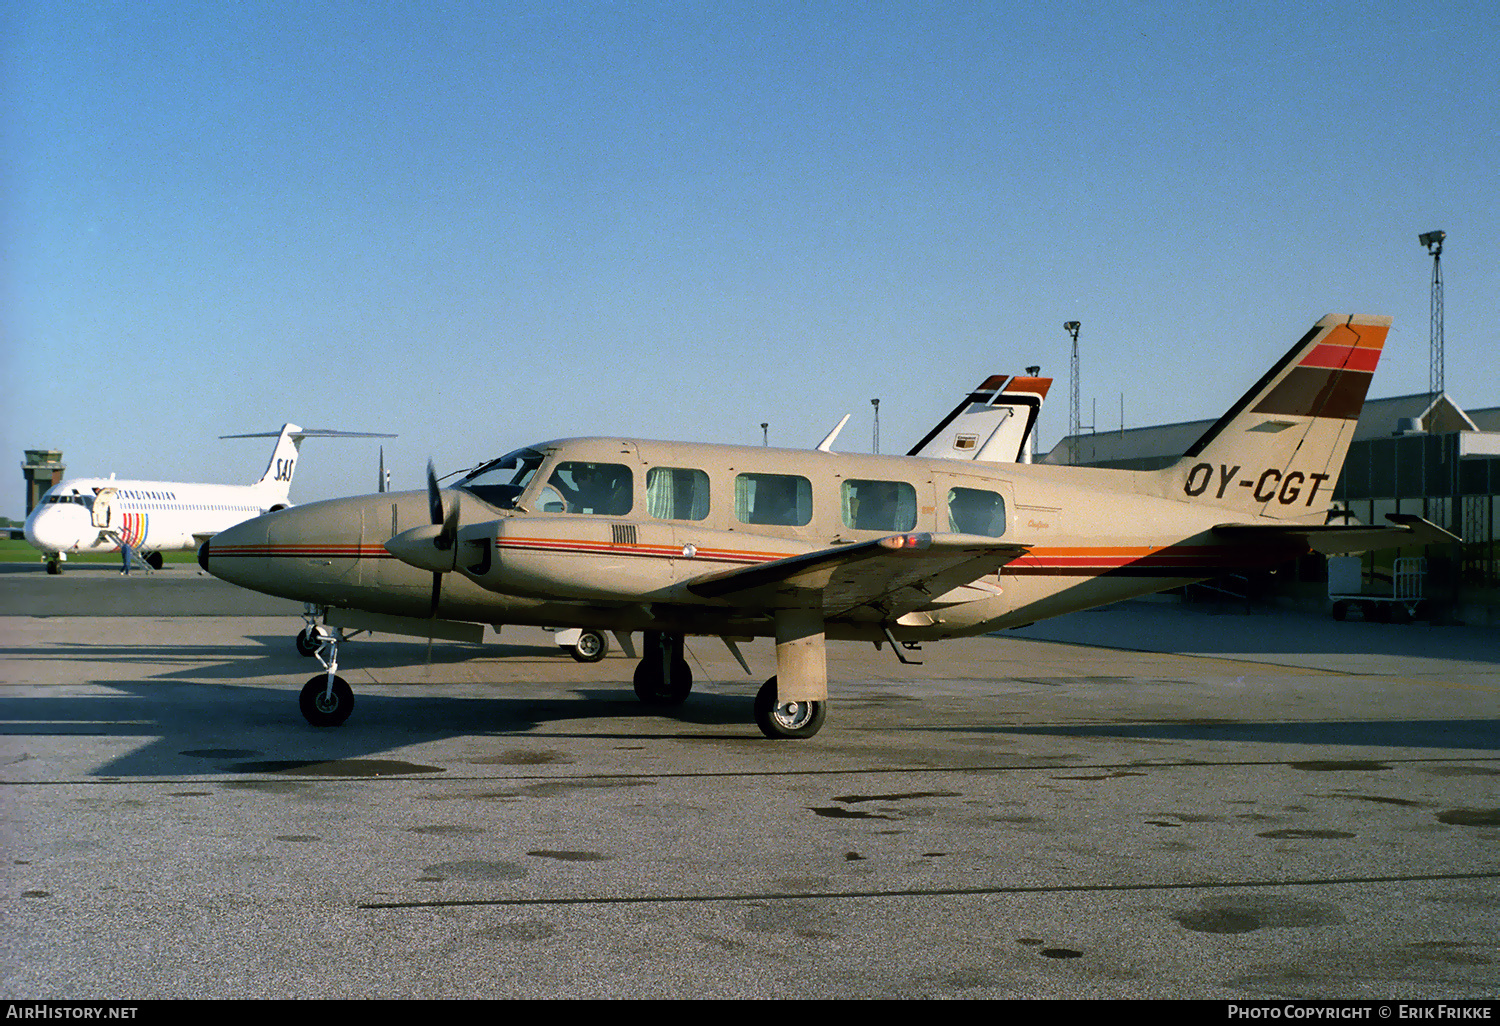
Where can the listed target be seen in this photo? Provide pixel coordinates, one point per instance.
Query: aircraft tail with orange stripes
(1279, 450)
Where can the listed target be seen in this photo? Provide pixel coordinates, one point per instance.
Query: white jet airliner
(96, 514)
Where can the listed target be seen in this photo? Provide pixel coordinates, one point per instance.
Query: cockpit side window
(577, 486)
(499, 482)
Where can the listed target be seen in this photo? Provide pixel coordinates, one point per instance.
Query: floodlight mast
(1434, 243)
(1075, 420)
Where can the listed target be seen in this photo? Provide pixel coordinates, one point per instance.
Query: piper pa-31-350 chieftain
(677, 539)
(100, 514)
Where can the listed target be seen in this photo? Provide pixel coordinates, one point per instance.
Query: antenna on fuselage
(826, 445)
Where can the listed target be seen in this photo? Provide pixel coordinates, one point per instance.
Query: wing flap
(1338, 539)
(900, 572)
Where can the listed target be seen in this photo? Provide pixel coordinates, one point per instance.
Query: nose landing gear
(326, 699)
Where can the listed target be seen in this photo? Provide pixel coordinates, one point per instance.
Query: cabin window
(784, 499)
(603, 489)
(975, 511)
(879, 505)
(673, 493)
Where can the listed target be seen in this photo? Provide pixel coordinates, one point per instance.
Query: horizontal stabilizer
(297, 434)
(1338, 539)
(900, 573)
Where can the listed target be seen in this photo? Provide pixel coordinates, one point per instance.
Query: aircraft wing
(1336, 539)
(897, 573)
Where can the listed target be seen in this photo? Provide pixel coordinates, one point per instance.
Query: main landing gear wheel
(656, 688)
(54, 566)
(591, 647)
(784, 720)
(154, 560)
(325, 710)
(307, 642)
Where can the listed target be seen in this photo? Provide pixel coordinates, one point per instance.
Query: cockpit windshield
(86, 501)
(500, 482)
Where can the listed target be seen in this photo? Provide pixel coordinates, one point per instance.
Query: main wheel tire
(592, 647)
(328, 711)
(54, 566)
(786, 720)
(154, 560)
(307, 643)
(651, 689)
(1341, 610)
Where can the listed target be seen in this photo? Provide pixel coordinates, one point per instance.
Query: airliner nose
(44, 531)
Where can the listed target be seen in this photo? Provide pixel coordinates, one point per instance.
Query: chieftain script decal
(1285, 488)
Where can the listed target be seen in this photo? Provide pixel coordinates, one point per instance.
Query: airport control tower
(43, 469)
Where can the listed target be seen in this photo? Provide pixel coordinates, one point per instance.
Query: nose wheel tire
(786, 720)
(326, 710)
(591, 647)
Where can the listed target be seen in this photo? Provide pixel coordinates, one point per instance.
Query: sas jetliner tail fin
(1279, 451)
(277, 480)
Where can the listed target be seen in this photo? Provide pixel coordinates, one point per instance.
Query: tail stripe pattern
(1331, 380)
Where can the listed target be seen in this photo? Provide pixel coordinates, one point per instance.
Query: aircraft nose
(238, 554)
(43, 531)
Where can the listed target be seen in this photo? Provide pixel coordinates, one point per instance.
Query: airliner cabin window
(879, 505)
(602, 489)
(673, 493)
(974, 511)
(784, 499)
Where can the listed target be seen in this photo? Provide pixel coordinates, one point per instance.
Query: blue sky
(478, 225)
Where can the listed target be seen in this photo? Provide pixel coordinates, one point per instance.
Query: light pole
(765, 433)
(876, 403)
(1075, 420)
(1434, 243)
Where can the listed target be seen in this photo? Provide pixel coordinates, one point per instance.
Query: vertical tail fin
(991, 424)
(1279, 451)
(277, 480)
(278, 476)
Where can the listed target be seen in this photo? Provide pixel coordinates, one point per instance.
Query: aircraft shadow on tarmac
(190, 723)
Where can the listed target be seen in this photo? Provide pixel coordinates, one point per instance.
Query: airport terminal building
(1410, 454)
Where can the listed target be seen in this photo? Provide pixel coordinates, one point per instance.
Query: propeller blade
(449, 533)
(434, 497)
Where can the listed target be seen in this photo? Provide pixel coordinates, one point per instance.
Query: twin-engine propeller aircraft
(97, 514)
(677, 539)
